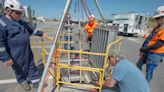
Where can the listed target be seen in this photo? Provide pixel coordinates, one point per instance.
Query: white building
(41, 19)
(130, 23)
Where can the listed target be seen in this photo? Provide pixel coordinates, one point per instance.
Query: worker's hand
(44, 35)
(107, 83)
(9, 62)
(84, 30)
(142, 54)
(144, 49)
(109, 77)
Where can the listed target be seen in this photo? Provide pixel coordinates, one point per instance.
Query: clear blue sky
(54, 8)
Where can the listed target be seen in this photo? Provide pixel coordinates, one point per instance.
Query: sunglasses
(18, 12)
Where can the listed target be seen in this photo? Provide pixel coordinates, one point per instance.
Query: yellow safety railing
(44, 53)
(37, 42)
(58, 66)
(99, 70)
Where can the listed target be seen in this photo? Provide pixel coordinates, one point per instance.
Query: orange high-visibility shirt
(90, 28)
(158, 36)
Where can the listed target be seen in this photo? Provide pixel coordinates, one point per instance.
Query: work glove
(39, 33)
(144, 49)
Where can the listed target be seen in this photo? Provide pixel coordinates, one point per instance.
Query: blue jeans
(108, 90)
(151, 61)
(113, 89)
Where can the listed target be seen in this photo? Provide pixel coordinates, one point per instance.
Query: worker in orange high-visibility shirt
(89, 28)
(152, 51)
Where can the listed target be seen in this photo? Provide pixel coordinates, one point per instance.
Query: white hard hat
(159, 12)
(13, 5)
(92, 16)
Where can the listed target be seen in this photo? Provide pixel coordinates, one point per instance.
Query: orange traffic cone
(144, 36)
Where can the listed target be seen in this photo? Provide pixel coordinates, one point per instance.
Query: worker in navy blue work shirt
(15, 47)
(128, 77)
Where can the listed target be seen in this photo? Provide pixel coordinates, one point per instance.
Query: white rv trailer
(130, 23)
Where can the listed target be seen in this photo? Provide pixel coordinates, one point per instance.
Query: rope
(78, 4)
(99, 10)
(87, 7)
(75, 7)
(84, 8)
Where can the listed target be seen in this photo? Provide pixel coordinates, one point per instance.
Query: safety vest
(90, 28)
(156, 37)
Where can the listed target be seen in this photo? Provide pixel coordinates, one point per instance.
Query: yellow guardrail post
(43, 54)
(35, 50)
(106, 59)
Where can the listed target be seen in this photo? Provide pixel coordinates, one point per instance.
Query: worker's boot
(26, 86)
(36, 85)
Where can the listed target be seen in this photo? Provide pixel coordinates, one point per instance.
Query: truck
(130, 23)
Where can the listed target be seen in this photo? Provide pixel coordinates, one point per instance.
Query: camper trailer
(130, 23)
